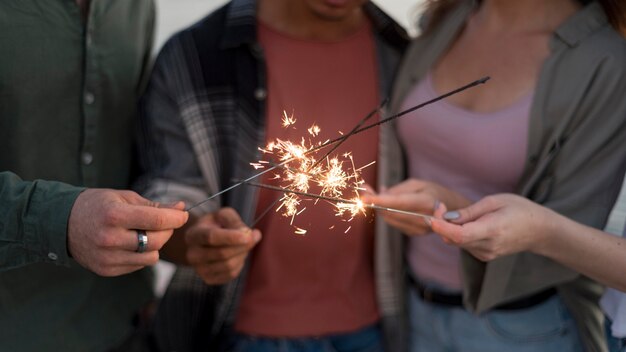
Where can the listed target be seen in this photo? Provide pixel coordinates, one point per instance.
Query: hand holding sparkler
(218, 245)
(414, 196)
(102, 232)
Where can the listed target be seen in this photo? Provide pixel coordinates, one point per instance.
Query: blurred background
(174, 15)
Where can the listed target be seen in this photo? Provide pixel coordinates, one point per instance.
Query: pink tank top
(474, 154)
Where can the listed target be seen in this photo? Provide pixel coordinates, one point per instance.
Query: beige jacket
(575, 165)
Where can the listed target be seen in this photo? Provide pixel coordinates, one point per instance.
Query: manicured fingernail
(452, 215)
(428, 222)
(436, 206)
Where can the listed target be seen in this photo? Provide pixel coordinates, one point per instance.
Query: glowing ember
(288, 120)
(314, 130)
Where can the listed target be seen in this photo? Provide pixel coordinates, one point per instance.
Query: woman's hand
(416, 196)
(495, 226)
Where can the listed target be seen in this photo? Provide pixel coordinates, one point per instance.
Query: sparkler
(287, 120)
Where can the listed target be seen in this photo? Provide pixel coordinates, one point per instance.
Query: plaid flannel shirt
(202, 119)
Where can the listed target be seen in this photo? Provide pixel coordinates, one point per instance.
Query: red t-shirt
(322, 282)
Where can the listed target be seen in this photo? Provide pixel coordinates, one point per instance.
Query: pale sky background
(174, 15)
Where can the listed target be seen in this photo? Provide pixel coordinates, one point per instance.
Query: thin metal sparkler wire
(337, 200)
(345, 137)
(332, 141)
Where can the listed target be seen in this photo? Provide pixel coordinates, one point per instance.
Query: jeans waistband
(456, 300)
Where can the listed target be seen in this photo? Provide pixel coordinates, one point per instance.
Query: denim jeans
(616, 344)
(546, 326)
(364, 340)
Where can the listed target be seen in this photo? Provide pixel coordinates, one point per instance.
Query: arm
(53, 222)
(504, 224)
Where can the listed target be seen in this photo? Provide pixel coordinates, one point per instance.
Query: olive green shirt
(68, 93)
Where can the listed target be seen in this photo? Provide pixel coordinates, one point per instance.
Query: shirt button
(53, 256)
(89, 98)
(87, 158)
(260, 94)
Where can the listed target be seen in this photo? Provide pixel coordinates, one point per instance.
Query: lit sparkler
(287, 120)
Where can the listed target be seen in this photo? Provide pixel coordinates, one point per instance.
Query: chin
(335, 10)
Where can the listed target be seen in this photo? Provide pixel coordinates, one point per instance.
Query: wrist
(548, 234)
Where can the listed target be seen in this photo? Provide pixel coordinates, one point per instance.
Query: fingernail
(428, 222)
(436, 206)
(452, 215)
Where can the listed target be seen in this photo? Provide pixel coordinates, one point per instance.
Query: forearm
(587, 250)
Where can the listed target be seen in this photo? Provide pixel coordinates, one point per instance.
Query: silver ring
(142, 241)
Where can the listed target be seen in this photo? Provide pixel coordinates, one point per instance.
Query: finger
(466, 235)
(112, 259)
(200, 254)
(116, 270)
(214, 236)
(142, 217)
(180, 205)
(409, 228)
(472, 212)
(228, 269)
(440, 209)
(230, 219)
(419, 202)
(449, 231)
(128, 240)
(134, 198)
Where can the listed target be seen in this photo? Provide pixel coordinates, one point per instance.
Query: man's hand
(102, 234)
(218, 245)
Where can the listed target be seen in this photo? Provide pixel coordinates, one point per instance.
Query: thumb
(472, 212)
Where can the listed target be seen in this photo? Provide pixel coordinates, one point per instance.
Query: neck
(297, 19)
(525, 16)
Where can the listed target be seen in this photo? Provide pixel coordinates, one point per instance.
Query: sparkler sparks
(300, 171)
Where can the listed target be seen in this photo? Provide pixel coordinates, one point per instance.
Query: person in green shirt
(70, 76)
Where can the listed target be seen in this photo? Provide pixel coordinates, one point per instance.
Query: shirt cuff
(47, 219)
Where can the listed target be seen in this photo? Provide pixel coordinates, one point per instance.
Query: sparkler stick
(343, 138)
(337, 200)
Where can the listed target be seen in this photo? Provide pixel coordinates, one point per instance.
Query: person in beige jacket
(565, 60)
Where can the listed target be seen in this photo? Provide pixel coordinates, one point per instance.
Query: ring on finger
(142, 241)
